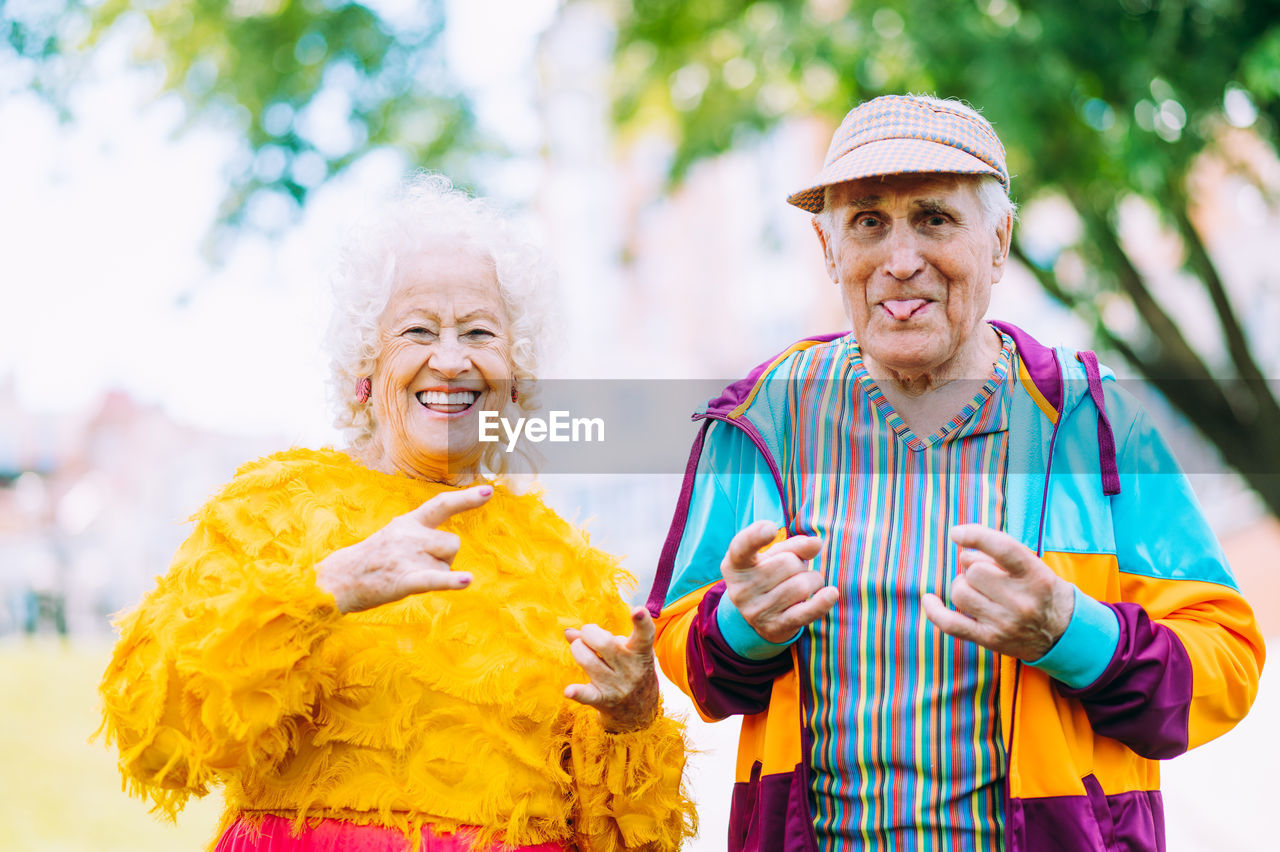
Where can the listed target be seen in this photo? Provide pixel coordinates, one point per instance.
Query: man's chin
(911, 346)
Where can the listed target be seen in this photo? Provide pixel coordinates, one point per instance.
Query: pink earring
(364, 390)
(515, 394)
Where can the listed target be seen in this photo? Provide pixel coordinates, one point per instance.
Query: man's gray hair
(428, 212)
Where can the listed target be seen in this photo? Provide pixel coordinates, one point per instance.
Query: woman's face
(446, 356)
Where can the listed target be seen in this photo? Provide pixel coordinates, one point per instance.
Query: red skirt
(275, 834)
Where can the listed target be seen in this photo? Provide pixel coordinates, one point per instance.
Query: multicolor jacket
(1095, 492)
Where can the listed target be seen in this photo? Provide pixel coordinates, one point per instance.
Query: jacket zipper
(1009, 841)
(754, 436)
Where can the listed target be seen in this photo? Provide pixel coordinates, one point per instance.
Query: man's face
(915, 260)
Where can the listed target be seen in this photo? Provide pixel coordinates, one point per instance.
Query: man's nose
(904, 258)
(448, 355)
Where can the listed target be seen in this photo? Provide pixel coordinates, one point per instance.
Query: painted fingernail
(486, 490)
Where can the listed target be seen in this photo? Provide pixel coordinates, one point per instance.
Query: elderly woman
(385, 647)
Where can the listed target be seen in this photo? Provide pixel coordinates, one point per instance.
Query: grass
(58, 791)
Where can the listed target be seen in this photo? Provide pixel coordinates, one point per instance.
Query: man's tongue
(902, 309)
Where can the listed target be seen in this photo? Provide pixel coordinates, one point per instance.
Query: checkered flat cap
(904, 134)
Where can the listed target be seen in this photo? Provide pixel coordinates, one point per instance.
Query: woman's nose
(448, 355)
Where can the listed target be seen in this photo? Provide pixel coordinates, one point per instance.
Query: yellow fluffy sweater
(444, 708)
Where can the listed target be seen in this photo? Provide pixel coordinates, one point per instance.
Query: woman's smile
(447, 402)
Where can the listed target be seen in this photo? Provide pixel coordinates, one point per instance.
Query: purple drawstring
(1106, 438)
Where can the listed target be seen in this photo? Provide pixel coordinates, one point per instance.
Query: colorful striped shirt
(905, 743)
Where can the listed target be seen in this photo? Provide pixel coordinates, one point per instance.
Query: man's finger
(442, 507)
(641, 639)
(1009, 553)
(794, 589)
(951, 622)
(970, 557)
(972, 601)
(804, 546)
(747, 543)
(806, 612)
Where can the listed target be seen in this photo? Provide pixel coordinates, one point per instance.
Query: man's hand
(624, 680)
(776, 591)
(1006, 598)
(407, 556)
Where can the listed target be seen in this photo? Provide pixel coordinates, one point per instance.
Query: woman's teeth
(448, 403)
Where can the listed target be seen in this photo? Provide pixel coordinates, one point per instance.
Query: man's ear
(826, 251)
(1004, 240)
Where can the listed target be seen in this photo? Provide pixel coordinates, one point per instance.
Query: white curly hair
(428, 210)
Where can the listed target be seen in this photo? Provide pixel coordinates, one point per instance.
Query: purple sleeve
(724, 683)
(1143, 697)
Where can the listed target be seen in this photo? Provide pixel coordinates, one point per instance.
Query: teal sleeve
(742, 637)
(1083, 652)
(733, 488)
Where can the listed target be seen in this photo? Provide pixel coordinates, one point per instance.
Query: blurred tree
(309, 85)
(1100, 102)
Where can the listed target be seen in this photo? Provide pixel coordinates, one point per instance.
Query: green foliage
(1096, 100)
(309, 85)
(1092, 93)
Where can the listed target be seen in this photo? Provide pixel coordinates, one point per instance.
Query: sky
(104, 284)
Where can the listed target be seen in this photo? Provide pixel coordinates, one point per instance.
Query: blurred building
(93, 505)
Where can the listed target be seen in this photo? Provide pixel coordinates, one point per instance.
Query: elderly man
(951, 578)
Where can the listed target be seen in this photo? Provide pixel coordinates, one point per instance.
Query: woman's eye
(419, 331)
(480, 334)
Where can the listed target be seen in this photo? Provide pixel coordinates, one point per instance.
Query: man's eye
(869, 222)
(937, 221)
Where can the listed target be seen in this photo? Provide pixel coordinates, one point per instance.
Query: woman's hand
(407, 556)
(624, 680)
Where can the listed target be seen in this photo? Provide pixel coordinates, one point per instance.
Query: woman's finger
(584, 693)
(435, 581)
(590, 662)
(601, 641)
(642, 632)
(440, 545)
(442, 507)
